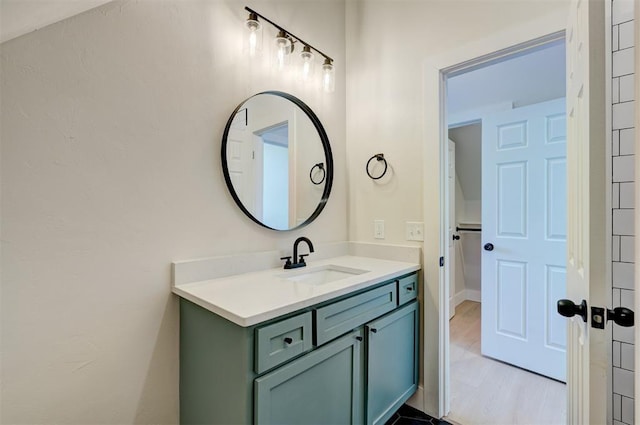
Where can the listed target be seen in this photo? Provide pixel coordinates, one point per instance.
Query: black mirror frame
(325, 146)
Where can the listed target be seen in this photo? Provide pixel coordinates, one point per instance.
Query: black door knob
(488, 247)
(456, 237)
(621, 316)
(568, 308)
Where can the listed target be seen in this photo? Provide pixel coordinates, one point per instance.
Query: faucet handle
(302, 258)
(288, 263)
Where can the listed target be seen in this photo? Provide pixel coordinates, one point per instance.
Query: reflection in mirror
(270, 145)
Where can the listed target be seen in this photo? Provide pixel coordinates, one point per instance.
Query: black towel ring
(320, 166)
(379, 157)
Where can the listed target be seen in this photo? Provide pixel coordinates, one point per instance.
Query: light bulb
(306, 66)
(252, 43)
(328, 76)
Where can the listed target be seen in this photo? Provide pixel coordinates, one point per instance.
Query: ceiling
(19, 17)
(529, 78)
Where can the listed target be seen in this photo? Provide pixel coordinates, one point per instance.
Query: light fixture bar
(298, 39)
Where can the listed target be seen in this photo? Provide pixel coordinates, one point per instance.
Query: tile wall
(623, 199)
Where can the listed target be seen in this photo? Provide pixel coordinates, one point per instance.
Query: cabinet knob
(288, 340)
(374, 330)
(409, 288)
(359, 338)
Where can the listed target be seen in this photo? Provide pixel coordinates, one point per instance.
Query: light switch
(414, 230)
(378, 229)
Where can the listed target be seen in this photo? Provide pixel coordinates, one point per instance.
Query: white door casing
(524, 221)
(451, 263)
(587, 360)
(435, 324)
(636, 304)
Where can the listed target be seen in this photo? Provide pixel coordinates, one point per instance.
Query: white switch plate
(414, 230)
(378, 229)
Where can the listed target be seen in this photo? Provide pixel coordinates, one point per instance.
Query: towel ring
(379, 157)
(320, 166)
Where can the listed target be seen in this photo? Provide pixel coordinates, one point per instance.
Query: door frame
(436, 301)
(636, 304)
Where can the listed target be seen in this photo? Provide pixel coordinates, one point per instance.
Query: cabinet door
(322, 387)
(392, 362)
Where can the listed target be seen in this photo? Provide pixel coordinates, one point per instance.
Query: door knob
(621, 316)
(488, 247)
(456, 237)
(568, 308)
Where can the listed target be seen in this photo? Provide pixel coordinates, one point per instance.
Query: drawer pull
(409, 288)
(374, 330)
(288, 340)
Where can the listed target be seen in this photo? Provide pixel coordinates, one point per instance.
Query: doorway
(501, 116)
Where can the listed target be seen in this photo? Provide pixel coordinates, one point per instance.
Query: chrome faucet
(298, 262)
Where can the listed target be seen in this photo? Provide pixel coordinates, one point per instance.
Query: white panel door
(587, 362)
(524, 200)
(241, 159)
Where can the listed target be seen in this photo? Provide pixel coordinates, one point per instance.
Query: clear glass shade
(282, 50)
(306, 64)
(253, 36)
(328, 77)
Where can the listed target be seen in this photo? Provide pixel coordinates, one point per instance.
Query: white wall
(110, 146)
(388, 44)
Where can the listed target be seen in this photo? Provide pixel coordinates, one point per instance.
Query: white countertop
(251, 298)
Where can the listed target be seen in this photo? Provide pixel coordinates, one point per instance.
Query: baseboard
(459, 298)
(466, 295)
(473, 295)
(417, 399)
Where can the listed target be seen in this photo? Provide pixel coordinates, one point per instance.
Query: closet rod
(466, 229)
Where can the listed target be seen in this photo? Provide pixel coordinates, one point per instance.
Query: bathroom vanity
(335, 343)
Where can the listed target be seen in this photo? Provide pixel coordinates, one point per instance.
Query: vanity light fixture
(284, 45)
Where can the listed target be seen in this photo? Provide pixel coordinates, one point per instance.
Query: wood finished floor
(485, 391)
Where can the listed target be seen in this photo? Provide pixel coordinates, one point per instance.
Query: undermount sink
(322, 274)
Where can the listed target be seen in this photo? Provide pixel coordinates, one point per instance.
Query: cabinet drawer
(338, 318)
(407, 288)
(278, 342)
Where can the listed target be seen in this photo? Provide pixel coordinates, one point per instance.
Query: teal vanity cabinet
(392, 359)
(351, 360)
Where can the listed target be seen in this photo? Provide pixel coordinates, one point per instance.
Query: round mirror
(277, 160)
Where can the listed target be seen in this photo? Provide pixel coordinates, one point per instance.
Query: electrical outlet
(414, 230)
(378, 229)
